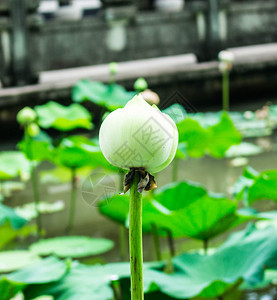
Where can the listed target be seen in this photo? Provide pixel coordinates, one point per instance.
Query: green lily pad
(9, 289)
(184, 208)
(110, 96)
(181, 152)
(241, 258)
(29, 210)
(38, 148)
(215, 140)
(14, 260)
(253, 186)
(8, 233)
(44, 271)
(13, 164)
(8, 187)
(176, 112)
(78, 151)
(9, 214)
(243, 149)
(63, 118)
(72, 246)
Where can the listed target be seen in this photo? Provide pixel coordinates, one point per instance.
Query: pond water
(216, 175)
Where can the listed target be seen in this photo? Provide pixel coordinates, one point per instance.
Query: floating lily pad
(64, 118)
(43, 271)
(72, 246)
(7, 187)
(241, 259)
(243, 149)
(29, 210)
(9, 214)
(14, 260)
(13, 164)
(110, 96)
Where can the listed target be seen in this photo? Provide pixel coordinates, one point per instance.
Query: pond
(207, 179)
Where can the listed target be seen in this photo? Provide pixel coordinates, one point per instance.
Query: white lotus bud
(226, 56)
(139, 135)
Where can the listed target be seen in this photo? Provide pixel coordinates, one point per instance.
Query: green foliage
(8, 233)
(8, 214)
(38, 148)
(184, 208)
(13, 164)
(110, 96)
(63, 118)
(72, 246)
(215, 140)
(9, 289)
(241, 259)
(77, 152)
(16, 259)
(253, 186)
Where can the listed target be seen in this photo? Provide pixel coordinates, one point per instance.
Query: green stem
(115, 285)
(156, 242)
(34, 181)
(122, 242)
(225, 90)
(205, 246)
(169, 266)
(175, 165)
(135, 241)
(36, 197)
(170, 243)
(72, 207)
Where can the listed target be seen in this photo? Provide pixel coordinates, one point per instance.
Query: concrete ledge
(163, 74)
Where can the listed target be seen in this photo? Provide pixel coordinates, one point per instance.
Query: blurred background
(46, 46)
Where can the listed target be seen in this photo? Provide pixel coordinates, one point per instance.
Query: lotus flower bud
(139, 136)
(33, 129)
(26, 116)
(140, 84)
(113, 66)
(151, 97)
(226, 56)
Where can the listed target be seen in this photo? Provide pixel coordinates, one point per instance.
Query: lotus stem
(72, 200)
(205, 246)
(225, 90)
(122, 242)
(36, 197)
(34, 181)
(135, 241)
(156, 241)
